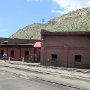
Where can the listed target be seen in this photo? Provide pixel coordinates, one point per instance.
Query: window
(77, 59)
(2, 52)
(54, 56)
(12, 53)
(26, 53)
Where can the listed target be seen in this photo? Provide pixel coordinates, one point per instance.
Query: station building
(18, 48)
(65, 49)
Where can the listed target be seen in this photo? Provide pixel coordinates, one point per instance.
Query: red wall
(19, 52)
(16, 52)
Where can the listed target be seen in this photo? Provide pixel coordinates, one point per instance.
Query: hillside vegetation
(74, 21)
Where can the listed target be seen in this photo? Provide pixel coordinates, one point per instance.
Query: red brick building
(65, 49)
(18, 48)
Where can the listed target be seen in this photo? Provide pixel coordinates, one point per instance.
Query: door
(12, 53)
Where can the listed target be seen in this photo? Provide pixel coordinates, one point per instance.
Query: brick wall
(65, 47)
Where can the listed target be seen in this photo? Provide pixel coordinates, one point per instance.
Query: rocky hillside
(74, 21)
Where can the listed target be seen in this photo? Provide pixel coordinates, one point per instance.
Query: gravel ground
(77, 78)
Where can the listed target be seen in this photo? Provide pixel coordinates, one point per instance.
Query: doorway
(12, 53)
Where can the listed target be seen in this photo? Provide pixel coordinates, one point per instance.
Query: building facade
(65, 49)
(18, 48)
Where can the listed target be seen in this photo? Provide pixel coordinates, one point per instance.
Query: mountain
(78, 20)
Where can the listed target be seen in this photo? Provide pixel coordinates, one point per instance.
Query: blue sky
(16, 14)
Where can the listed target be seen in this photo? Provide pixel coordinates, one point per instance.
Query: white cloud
(33, 0)
(70, 5)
